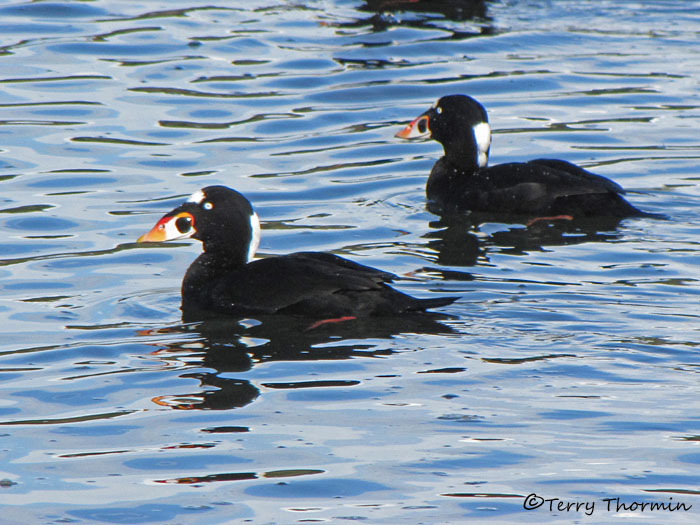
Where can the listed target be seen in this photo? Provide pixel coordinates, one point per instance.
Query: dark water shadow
(461, 240)
(423, 14)
(230, 345)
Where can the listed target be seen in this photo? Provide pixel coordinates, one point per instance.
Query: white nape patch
(197, 197)
(482, 135)
(254, 236)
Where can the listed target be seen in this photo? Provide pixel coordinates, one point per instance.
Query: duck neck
(207, 270)
(463, 155)
(227, 248)
(447, 177)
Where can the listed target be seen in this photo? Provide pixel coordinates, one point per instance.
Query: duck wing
(592, 180)
(543, 186)
(313, 284)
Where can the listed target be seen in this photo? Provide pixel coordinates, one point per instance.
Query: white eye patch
(180, 226)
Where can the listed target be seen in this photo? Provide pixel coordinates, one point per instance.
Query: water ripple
(572, 347)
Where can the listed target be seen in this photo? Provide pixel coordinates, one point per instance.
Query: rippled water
(568, 368)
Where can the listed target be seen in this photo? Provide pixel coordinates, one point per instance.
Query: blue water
(568, 368)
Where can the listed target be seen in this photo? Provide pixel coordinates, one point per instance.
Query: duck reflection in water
(462, 240)
(225, 345)
(422, 14)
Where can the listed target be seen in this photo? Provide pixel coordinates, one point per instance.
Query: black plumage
(224, 279)
(461, 180)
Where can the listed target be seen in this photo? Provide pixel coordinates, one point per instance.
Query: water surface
(568, 368)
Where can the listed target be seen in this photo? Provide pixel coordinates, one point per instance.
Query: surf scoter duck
(545, 188)
(225, 279)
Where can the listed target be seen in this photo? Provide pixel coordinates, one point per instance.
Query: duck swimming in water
(225, 279)
(461, 181)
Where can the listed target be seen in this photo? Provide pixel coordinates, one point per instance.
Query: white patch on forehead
(254, 236)
(482, 135)
(197, 197)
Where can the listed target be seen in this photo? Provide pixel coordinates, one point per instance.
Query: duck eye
(438, 110)
(207, 205)
(183, 224)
